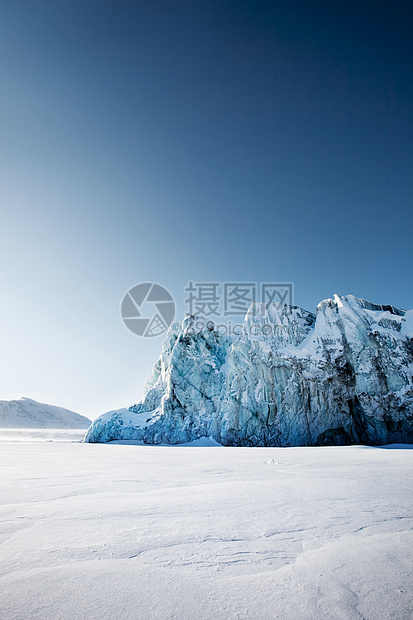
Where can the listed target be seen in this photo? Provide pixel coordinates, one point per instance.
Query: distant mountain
(288, 378)
(27, 413)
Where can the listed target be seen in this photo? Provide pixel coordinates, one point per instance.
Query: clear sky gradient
(185, 140)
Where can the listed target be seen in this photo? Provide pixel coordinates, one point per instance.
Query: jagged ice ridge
(290, 378)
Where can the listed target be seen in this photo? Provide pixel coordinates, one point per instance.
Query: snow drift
(290, 378)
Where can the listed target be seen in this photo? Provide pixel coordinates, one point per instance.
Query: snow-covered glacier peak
(280, 324)
(287, 378)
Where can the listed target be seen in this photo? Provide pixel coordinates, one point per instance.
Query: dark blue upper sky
(176, 141)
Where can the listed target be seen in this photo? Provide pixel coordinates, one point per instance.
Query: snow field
(104, 531)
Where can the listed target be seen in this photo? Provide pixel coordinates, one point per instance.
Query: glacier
(289, 378)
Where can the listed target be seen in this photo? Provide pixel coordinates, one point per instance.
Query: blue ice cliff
(290, 378)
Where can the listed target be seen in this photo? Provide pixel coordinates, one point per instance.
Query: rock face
(290, 378)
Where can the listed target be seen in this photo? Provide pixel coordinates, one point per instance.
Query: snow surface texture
(27, 413)
(291, 378)
(104, 532)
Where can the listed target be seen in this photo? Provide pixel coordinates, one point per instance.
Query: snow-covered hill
(27, 413)
(292, 378)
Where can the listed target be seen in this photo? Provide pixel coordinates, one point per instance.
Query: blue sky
(176, 141)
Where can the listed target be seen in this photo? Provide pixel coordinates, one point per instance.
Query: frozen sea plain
(112, 531)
